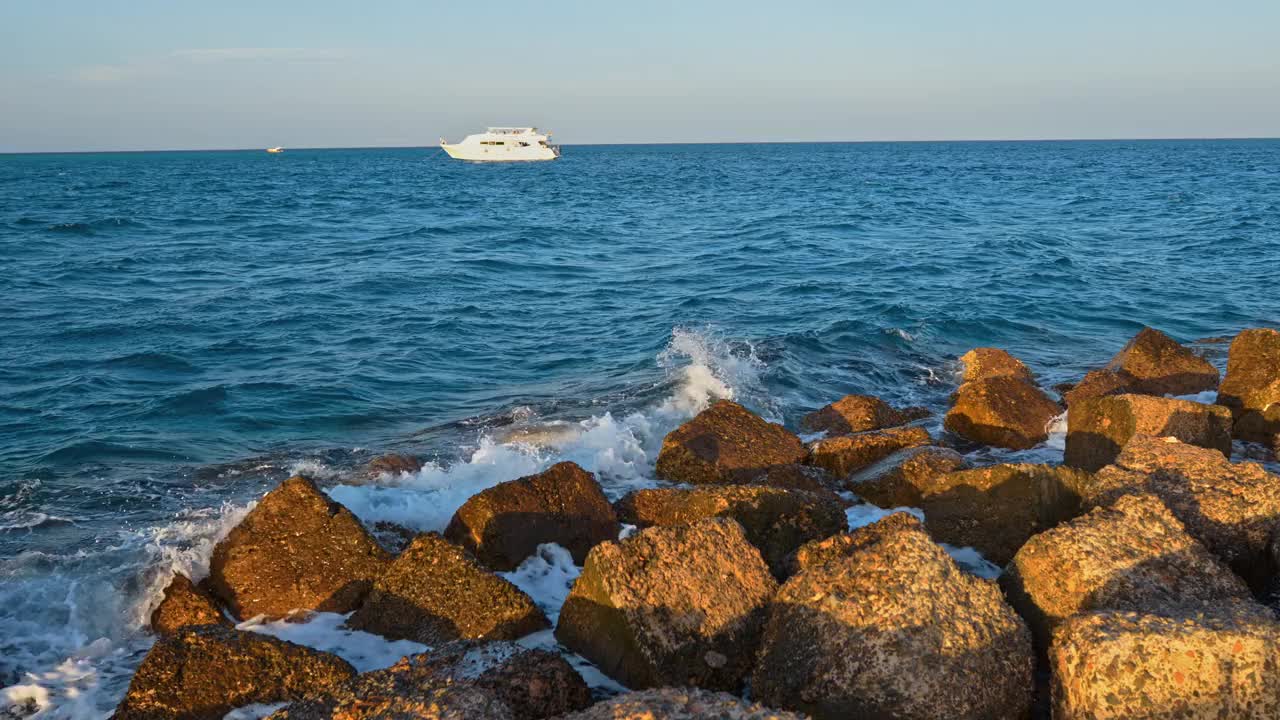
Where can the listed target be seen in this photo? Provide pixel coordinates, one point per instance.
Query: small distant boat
(275, 150)
(504, 144)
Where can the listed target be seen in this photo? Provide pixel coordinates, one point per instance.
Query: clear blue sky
(137, 74)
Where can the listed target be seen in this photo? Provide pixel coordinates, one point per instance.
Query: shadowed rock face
(983, 363)
(1215, 664)
(1251, 389)
(504, 524)
(1233, 508)
(511, 680)
(185, 604)
(296, 550)
(681, 605)
(1097, 383)
(776, 521)
(207, 671)
(1154, 364)
(851, 414)
(800, 477)
(1002, 411)
(844, 546)
(679, 704)
(846, 454)
(894, 629)
(393, 464)
(726, 443)
(435, 592)
(1134, 555)
(1099, 428)
(900, 479)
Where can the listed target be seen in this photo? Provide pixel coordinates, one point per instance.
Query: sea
(180, 331)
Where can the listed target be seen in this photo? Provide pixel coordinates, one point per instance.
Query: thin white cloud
(217, 55)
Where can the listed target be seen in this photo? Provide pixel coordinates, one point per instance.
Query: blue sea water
(178, 331)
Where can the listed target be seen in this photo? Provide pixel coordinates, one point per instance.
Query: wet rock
(1154, 364)
(726, 443)
(393, 464)
(436, 592)
(679, 704)
(392, 537)
(185, 604)
(896, 629)
(525, 684)
(851, 414)
(1099, 428)
(776, 521)
(1133, 555)
(681, 605)
(1212, 664)
(840, 548)
(995, 509)
(1097, 383)
(396, 701)
(983, 363)
(800, 477)
(506, 523)
(1002, 411)
(1233, 508)
(846, 454)
(898, 480)
(1251, 388)
(296, 550)
(208, 670)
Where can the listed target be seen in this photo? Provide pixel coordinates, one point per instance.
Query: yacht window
(524, 144)
(543, 143)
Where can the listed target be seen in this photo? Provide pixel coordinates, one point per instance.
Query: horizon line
(675, 142)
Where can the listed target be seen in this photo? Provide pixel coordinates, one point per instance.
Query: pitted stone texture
(1099, 428)
(894, 629)
(851, 414)
(901, 479)
(404, 701)
(983, 363)
(679, 704)
(846, 454)
(1097, 383)
(1153, 363)
(1251, 388)
(1002, 411)
(726, 443)
(671, 605)
(185, 604)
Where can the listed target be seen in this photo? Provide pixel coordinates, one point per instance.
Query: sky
(176, 74)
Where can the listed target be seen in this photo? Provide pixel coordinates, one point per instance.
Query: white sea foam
(325, 631)
(866, 513)
(546, 576)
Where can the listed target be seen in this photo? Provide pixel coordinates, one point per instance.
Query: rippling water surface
(178, 331)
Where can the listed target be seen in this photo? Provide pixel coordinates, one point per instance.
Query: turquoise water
(178, 331)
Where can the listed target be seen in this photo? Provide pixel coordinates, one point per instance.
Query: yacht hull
(484, 153)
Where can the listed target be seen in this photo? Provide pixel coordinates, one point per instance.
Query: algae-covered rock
(185, 604)
(846, 454)
(1002, 411)
(899, 479)
(680, 605)
(726, 443)
(851, 414)
(983, 363)
(1100, 427)
(678, 703)
(1251, 388)
(1152, 363)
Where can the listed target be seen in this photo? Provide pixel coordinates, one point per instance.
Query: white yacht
(503, 144)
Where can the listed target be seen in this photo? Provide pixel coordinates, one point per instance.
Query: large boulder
(1251, 388)
(681, 605)
(529, 684)
(801, 477)
(506, 523)
(1002, 411)
(297, 550)
(896, 630)
(435, 592)
(679, 704)
(1097, 383)
(995, 509)
(846, 454)
(400, 700)
(1099, 428)
(1233, 508)
(1133, 555)
(1152, 363)
(851, 414)
(776, 520)
(208, 670)
(983, 363)
(726, 443)
(897, 480)
(1202, 664)
(185, 604)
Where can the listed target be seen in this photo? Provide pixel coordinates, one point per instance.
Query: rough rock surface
(393, 464)
(1099, 428)
(896, 481)
(777, 521)
(1194, 666)
(403, 701)
(1252, 385)
(846, 454)
(185, 604)
(296, 550)
(800, 477)
(436, 592)
(897, 630)
(1097, 383)
(1154, 364)
(1002, 411)
(393, 538)
(207, 671)
(1133, 555)
(506, 523)
(529, 684)
(726, 443)
(679, 704)
(983, 363)
(995, 509)
(680, 605)
(851, 414)
(1233, 508)
(842, 547)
